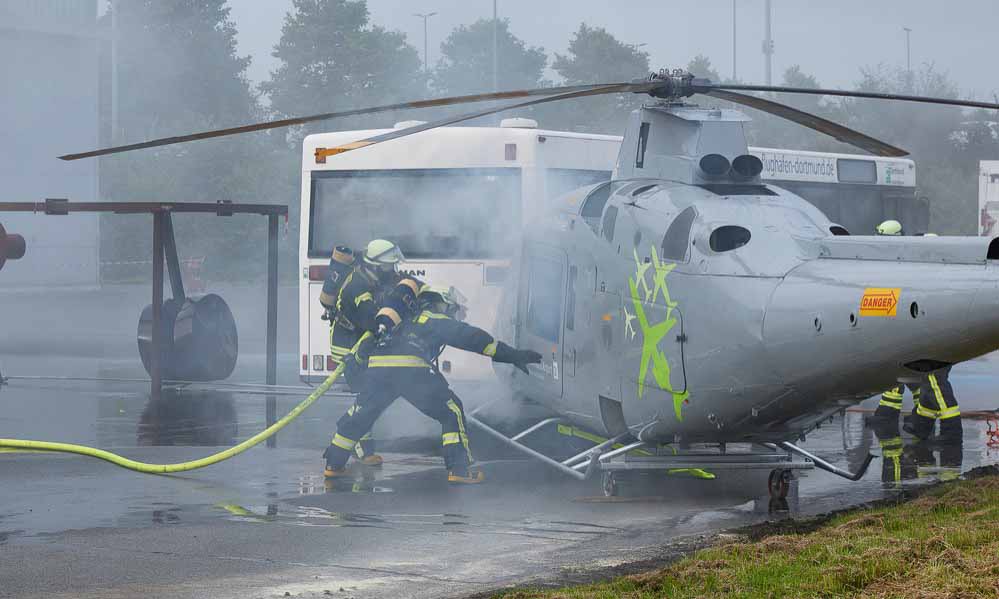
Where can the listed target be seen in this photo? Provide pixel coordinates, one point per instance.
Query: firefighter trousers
(891, 400)
(426, 390)
(937, 402)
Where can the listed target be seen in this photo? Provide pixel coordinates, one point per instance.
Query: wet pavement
(265, 523)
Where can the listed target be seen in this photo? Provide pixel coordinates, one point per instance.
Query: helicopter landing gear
(611, 485)
(779, 483)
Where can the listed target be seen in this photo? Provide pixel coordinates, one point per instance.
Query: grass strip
(943, 543)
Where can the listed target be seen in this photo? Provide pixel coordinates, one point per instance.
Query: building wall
(48, 66)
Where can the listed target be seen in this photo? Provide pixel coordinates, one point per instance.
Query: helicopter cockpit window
(729, 237)
(610, 219)
(593, 206)
(677, 238)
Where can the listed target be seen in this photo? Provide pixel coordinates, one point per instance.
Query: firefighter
(937, 402)
(890, 405)
(357, 302)
(891, 400)
(890, 228)
(402, 363)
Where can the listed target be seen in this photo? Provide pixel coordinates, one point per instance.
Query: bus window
(610, 219)
(544, 299)
(429, 213)
(559, 181)
(857, 171)
(677, 238)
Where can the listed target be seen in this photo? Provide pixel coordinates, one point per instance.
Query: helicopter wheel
(611, 486)
(779, 483)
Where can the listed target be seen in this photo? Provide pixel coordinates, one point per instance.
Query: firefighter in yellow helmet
(891, 400)
(358, 298)
(890, 228)
(402, 363)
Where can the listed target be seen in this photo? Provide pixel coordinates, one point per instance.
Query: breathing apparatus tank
(341, 263)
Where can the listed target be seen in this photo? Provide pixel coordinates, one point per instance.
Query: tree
(178, 68)
(700, 66)
(333, 58)
(596, 56)
(179, 72)
(466, 64)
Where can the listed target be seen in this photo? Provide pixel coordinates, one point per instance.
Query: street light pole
(908, 54)
(426, 56)
(734, 77)
(768, 44)
(495, 58)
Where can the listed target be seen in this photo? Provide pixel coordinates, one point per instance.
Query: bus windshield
(430, 214)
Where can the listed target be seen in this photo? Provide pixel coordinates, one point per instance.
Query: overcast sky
(828, 38)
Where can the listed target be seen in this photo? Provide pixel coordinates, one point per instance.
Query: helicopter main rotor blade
(322, 153)
(817, 123)
(276, 124)
(848, 94)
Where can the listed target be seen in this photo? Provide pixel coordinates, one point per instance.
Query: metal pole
(495, 58)
(114, 72)
(172, 261)
(155, 372)
(272, 269)
(908, 54)
(734, 76)
(426, 51)
(768, 44)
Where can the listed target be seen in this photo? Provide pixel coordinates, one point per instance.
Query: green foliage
(943, 544)
(179, 72)
(178, 68)
(466, 64)
(596, 56)
(700, 66)
(333, 58)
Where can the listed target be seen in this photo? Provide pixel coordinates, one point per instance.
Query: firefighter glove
(518, 357)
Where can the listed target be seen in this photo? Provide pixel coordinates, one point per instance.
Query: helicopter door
(543, 303)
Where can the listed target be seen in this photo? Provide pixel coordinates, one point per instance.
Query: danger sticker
(879, 301)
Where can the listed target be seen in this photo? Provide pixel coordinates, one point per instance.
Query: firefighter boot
(365, 452)
(336, 462)
(458, 461)
(951, 431)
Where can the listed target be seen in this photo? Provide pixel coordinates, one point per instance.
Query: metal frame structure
(165, 250)
(621, 457)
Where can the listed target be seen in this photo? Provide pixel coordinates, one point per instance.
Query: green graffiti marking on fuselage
(653, 334)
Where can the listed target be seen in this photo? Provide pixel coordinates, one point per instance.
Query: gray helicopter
(699, 320)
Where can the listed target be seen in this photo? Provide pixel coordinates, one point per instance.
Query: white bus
(855, 191)
(454, 199)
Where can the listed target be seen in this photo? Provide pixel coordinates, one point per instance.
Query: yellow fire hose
(45, 446)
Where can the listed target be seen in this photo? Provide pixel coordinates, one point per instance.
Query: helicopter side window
(544, 299)
(728, 238)
(610, 219)
(677, 239)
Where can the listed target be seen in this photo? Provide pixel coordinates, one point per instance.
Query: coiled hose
(27, 445)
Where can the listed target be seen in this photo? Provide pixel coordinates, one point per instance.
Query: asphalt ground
(265, 523)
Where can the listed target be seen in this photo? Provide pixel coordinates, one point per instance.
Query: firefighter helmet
(447, 300)
(381, 252)
(890, 227)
